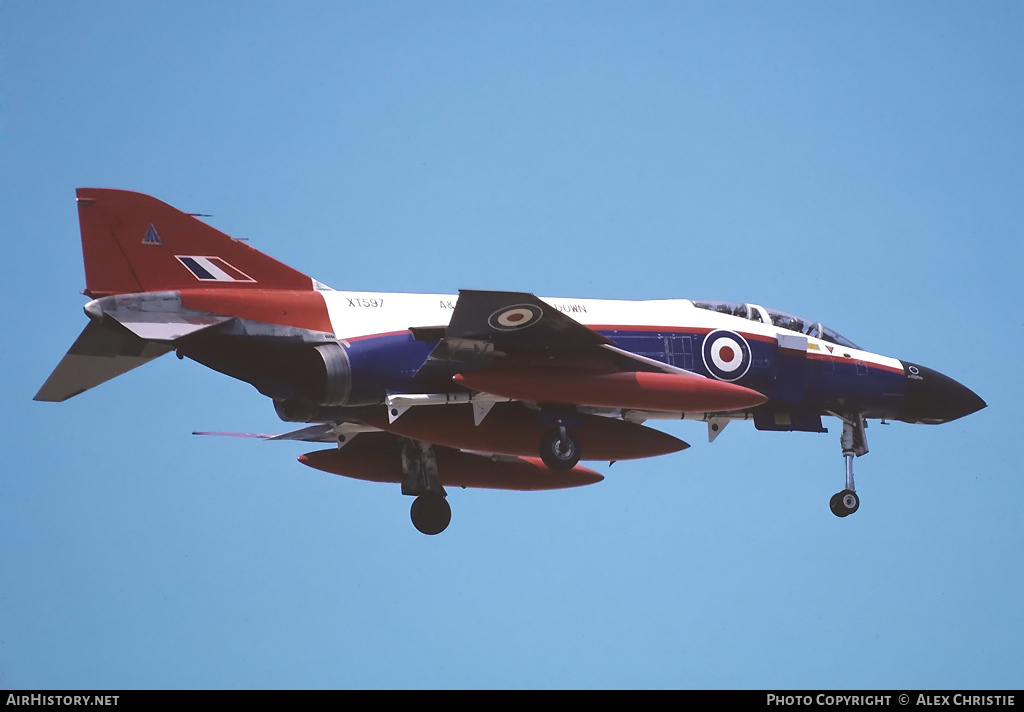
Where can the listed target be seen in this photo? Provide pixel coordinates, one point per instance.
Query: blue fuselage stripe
(390, 362)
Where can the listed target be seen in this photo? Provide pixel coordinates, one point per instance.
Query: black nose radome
(931, 397)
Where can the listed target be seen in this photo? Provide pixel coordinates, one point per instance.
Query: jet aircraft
(484, 389)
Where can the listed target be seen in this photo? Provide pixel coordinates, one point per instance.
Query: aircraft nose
(932, 397)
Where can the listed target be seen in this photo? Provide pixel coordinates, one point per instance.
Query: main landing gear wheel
(844, 503)
(431, 513)
(559, 450)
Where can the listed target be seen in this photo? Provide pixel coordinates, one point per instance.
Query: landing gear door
(791, 368)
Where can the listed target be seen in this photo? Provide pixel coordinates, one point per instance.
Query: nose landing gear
(855, 443)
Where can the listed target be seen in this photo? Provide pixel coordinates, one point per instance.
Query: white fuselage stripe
(356, 315)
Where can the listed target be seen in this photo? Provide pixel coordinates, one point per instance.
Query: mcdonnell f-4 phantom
(484, 389)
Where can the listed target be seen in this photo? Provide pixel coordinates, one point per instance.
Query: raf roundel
(726, 355)
(515, 317)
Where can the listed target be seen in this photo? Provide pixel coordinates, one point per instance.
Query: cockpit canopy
(753, 312)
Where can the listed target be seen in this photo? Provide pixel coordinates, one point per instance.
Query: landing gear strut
(430, 510)
(559, 449)
(855, 443)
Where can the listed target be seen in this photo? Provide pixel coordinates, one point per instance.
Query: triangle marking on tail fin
(152, 236)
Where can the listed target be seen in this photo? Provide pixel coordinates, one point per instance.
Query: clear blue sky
(858, 163)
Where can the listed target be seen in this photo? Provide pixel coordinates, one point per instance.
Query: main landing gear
(855, 443)
(430, 510)
(559, 449)
(430, 513)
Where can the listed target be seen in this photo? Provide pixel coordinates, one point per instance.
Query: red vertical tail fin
(134, 243)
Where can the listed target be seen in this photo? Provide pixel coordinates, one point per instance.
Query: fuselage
(802, 375)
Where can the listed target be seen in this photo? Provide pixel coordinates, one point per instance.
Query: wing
(514, 345)
(519, 328)
(339, 433)
(518, 320)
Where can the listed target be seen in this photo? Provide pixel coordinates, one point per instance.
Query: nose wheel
(844, 503)
(855, 443)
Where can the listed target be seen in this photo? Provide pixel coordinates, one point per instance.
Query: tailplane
(101, 352)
